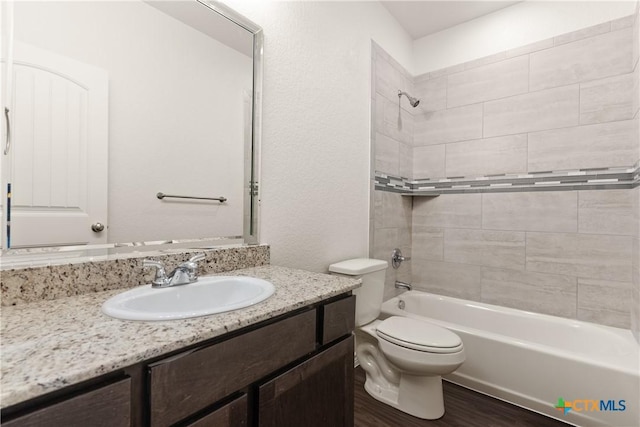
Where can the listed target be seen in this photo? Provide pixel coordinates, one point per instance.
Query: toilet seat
(418, 335)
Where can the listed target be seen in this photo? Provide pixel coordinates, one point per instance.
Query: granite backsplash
(23, 285)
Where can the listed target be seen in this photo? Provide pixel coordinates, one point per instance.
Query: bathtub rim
(627, 368)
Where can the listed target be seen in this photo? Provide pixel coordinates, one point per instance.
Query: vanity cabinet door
(316, 393)
(108, 406)
(339, 319)
(189, 382)
(233, 414)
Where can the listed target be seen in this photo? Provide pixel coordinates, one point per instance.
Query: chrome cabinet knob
(97, 227)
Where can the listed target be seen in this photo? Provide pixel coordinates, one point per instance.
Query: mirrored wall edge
(232, 15)
(252, 236)
(62, 254)
(34, 258)
(252, 226)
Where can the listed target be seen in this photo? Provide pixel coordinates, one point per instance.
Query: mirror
(112, 103)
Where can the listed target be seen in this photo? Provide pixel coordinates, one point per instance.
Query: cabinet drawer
(191, 381)
(339, 319)
(316, 393)
(108, 406)
(232, 414)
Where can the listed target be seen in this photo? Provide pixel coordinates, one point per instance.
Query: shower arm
(413, 101)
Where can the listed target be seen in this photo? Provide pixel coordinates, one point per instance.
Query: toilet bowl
(417, 347)
(403, 358)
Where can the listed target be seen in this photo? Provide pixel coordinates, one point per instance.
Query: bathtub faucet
(402, 285)
(397, 258)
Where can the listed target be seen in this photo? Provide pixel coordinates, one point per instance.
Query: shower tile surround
(31, 284)
(393, 136)
(533, 154)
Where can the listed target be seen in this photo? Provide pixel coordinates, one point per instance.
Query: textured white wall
(316, 132)
(515, 26)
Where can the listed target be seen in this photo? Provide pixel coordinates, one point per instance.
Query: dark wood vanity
(292, 370)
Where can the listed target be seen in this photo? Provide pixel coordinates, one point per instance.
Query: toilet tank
(370, 295)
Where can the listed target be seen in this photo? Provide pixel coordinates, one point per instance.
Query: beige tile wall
(488, 156)
(607, 212)
(570, 102)
(494, 81)
(563, 103)
(607, 100)
(392, 153)
(545, 293)
(449, 125)
(565, 253)
(532, 211)
(590, 58)
(612, 144)
(545, 109)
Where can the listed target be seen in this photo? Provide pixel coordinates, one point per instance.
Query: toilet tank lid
(358, 266)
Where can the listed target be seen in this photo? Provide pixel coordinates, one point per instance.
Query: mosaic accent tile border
(583, 179)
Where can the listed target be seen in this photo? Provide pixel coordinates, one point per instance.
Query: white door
(6, 46)
(60, 150)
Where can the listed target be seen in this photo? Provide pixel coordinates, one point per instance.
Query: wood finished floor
(463, 407)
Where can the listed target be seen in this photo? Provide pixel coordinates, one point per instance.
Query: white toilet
(403, 358)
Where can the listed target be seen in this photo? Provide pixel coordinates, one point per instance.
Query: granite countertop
(48, 345)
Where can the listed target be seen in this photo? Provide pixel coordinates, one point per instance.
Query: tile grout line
(579, 118)
(529, 73)
(507, 56)
(529, 91)
(577, 211)
(526, 251)
(527, 155)
(483, 120)
(531, 131)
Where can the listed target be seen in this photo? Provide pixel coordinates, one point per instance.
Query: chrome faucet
(185, 273)
(403, 285)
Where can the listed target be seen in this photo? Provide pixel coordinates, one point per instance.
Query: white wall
(175, 113)
(316, 133)
(514, 26)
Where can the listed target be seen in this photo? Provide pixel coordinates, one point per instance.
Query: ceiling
(421, 18)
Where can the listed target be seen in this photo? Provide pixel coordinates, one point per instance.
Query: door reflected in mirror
(115, 102)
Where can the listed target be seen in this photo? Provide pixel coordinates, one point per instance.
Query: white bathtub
(532, 359)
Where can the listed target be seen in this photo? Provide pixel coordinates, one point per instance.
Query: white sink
(209, 295)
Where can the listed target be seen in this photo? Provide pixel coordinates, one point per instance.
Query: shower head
(413, 101)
